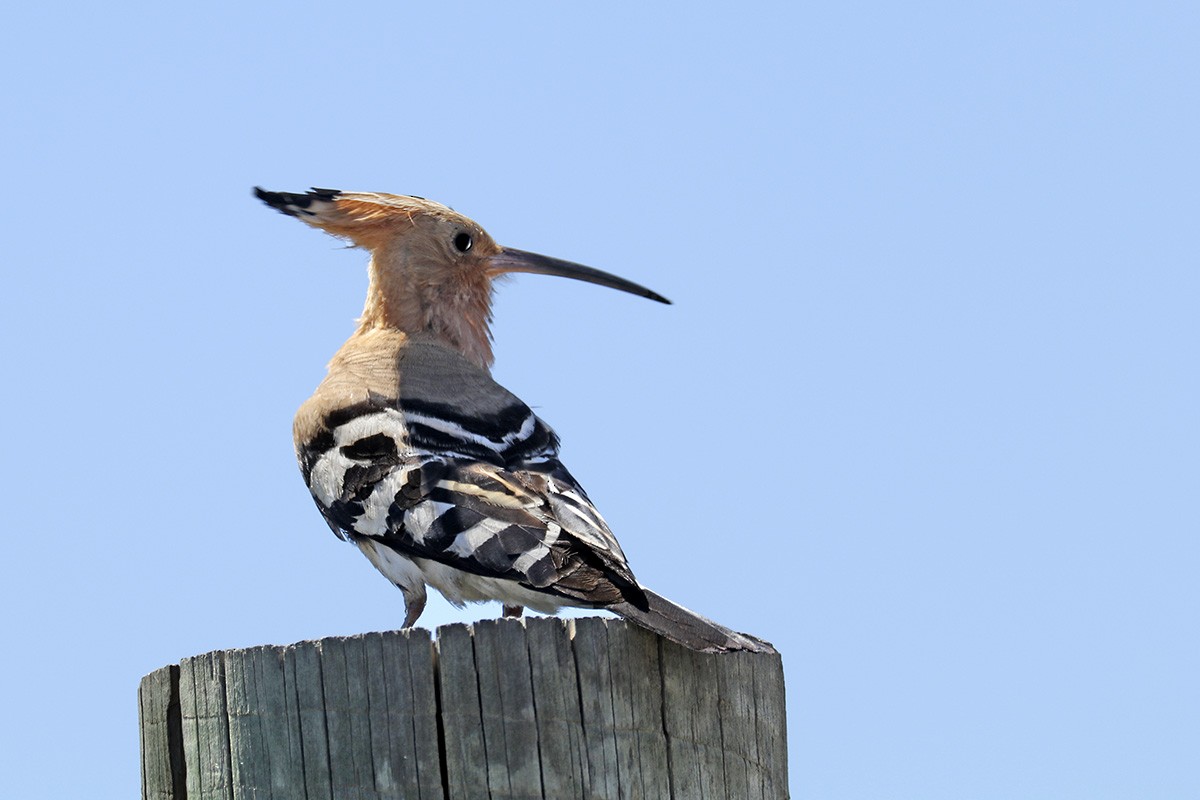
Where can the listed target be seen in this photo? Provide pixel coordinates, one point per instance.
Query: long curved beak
(510, 259)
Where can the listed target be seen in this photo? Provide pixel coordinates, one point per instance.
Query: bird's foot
(413, 606)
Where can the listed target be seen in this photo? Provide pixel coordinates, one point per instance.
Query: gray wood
(638, 709)
(205, 727)
(735, 704)
(771, 727)
(161, 736)
(400, 684)
(506, 705)
(346, 718)
(462, 723)
(596, 705)
(420, 707)
(393, 769)
(692, 722)
(263, 747)
(306, 711)
(561, 745)
(508, 708)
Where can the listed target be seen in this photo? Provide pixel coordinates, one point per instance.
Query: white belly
(457, 586)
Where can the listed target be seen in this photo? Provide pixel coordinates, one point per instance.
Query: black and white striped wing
(483, 493)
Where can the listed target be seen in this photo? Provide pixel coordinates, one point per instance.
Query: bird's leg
(414, 604)
(513, 611)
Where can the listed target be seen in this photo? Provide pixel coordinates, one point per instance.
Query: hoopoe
(437, 473)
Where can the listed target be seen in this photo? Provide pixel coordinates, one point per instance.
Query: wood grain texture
(162, 736)
(262, 745)
(560, 736)
(534, 708)
(462, 720)
(205, 727)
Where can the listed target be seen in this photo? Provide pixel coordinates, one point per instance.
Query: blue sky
(924, 412)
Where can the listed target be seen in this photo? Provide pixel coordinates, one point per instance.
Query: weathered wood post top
(533, 708)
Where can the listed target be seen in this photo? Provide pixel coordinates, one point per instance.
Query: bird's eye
(463, 242)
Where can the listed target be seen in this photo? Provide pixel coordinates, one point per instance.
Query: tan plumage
(438, 474)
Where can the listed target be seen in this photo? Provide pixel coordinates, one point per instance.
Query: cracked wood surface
(506, 708)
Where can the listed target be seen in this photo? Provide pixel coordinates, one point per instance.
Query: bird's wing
(454, 468)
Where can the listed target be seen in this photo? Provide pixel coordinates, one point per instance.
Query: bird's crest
(365, 218)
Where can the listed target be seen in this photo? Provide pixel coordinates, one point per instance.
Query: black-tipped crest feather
(291, 203)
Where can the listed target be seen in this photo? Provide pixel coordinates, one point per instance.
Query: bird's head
(431, 267)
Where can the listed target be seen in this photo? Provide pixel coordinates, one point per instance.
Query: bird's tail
(688, 628)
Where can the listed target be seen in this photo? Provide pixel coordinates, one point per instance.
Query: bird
(438, 474)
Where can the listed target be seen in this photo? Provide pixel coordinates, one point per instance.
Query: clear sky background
(924, 413)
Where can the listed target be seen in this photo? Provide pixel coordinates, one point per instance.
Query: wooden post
(533, 708)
